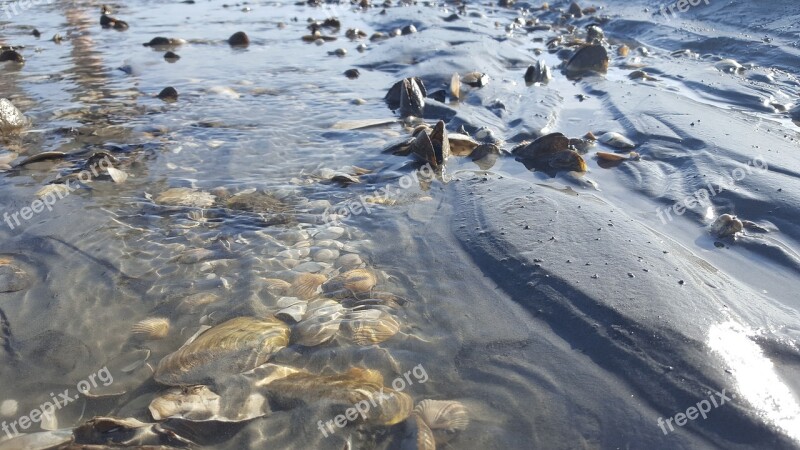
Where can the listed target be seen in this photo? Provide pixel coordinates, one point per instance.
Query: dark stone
(239, 39)
(171, 57)
(168, 94)
(352, 73)
(11, 55)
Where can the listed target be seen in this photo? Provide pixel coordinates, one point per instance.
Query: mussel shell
(591, 58)
(441, 144)
(231, 347)
(545, 145)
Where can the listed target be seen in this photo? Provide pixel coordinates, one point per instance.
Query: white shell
(616, 140)
(117, 175)
(9, 408)
(320, 324)
(151, 329)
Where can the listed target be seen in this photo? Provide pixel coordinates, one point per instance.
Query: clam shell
(591, 58)
(194, 301)
(368, 327)
(387, 407)
(443, 417)
(185, 197)
(726, 225)
(623, 50)
(234, 346)
(320, 323)
(151, 329)
(306, 285)
(192, 403)
(352, 281)
(475, 79)
(461, 144)
(616, 140)
(60, 190)
(276, 286)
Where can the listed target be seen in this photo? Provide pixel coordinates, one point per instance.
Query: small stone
(239, 39)
(168, 94)
(171, 57)
(9, 408)
(352, 73)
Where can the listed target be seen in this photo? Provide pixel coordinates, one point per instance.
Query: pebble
(9, 408)
(349, 261)
(330, 233)
(326, 255)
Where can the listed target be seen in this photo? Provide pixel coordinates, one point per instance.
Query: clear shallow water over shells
(222, 206)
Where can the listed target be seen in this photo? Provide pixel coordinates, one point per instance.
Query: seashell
(194, 301)
(231, 347)
(388, 407)
(538, 73)
(320, 323)
(168, 94)
(151, 329)
(349, 261)
(417, 435)
(594, 34)
(352, 281)
(292, 309)
(191, 403)
(49, 421)
(433, 148)
(326, 255)
(306, 285)
(60, 190)
(641, 75)
(444, 417)
(185, 197)
(591, 58)
(407, 96)
(616, 140)
(729, 66)
(330, 233)
(581, 144)
(369, 326)
(548, 144)
(12, 55)
(276, 286)
(623, 50)
(461, 144)
(475, 79)
(616, 157)
(726, 225)
(455, 86)
(118, 176)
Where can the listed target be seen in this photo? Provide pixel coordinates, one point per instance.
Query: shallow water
(545, 345)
